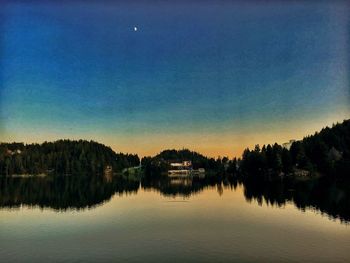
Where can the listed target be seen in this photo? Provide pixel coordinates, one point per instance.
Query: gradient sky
(212, 76)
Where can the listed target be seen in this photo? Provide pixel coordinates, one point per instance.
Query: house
(9, 152)
(184, 169)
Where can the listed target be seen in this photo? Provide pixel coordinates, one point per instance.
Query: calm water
(68, 220)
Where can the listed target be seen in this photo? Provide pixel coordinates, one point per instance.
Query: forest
(159, 164)
(325, 153)
(63, 157)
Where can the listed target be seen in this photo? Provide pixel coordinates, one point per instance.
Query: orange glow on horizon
(226, 143)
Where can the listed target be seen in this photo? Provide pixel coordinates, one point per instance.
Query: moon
(135, 28)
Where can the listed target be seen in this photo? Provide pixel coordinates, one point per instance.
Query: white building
(183, 168)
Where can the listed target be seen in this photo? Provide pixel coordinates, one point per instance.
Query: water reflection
(328, 196)
(62, 192)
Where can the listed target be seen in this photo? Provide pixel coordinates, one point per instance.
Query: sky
(211, 76)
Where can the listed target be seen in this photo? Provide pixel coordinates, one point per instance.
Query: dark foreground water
(75, 220)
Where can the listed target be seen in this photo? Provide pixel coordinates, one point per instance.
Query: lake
(202, 220)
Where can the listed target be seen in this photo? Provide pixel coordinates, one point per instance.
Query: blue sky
(214, 76)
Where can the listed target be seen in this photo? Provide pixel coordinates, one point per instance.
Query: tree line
(62, 157)
(326, 152)
(160, 164)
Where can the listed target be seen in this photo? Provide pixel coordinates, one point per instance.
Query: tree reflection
(61, 192)
(324, 194)
(329, 196)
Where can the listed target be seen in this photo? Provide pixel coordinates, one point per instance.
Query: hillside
(197, 159)
(160, 163)
(326, 152)
(61, 157)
